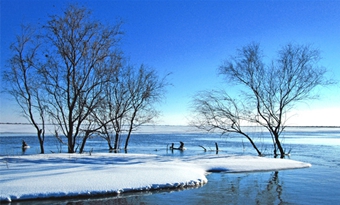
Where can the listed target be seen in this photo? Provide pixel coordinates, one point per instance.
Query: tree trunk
(127, 140)
(82, 145)
(279, 146)
(108, 139)
(41, 141)
(87, 135)
(129, 134)
(130, 129)
(252, 143)
(116, 146)
(70, 144)
(42, 150)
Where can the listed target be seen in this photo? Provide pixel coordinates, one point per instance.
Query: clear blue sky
(192, 38)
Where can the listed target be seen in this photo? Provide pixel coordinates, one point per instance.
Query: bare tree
(271, 91)
(216, 110)
(145, 88)
(79, 81)
(111, 114)
(129, 103)
(24, 83)
(82, 55)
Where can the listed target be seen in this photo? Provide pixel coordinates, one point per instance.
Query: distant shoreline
(309, 126)
(26, 128)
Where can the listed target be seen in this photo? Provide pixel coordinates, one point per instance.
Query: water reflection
(273, 192)
(242, 188)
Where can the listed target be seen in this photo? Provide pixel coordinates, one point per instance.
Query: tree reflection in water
(242, 188)
(273, 192)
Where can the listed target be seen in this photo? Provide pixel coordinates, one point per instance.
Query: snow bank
(66, 175)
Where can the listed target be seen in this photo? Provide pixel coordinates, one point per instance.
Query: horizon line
(315, 126)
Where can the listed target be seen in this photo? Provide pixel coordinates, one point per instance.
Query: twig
(203, 147)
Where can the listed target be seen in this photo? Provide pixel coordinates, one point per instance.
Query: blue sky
(191, 39)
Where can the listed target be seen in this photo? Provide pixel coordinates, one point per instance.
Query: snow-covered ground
(66, 175)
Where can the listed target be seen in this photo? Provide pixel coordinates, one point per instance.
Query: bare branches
(24, 82)
(216, 110)
(75, 75)
(145, 88)
(86, 57)
(129, 102)
(270, 91)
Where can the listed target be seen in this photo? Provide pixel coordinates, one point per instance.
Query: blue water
(319, 184)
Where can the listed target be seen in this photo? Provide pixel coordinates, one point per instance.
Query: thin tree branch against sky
(191, 38)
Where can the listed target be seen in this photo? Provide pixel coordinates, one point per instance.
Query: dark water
(319, 184)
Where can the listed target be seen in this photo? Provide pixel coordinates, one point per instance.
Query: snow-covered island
(67, 175)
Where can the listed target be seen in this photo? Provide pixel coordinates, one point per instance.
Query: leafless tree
(270, 91)
(111, 113)
(23, 80)
(145, 89)
(79, 81)
(216, 110)
(82, 55)
(129, 103)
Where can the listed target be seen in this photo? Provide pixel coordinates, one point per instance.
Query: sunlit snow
(66, 175)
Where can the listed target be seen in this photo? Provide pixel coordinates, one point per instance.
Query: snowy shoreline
(72, 175)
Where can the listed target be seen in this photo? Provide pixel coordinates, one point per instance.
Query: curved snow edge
(85, 194)
(69, 175)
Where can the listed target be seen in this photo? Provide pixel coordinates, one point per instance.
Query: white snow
(65, 175)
